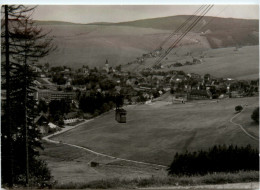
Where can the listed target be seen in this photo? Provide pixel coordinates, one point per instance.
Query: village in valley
(69, 85)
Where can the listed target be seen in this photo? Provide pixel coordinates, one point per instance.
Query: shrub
(239, 108)
(255, 115)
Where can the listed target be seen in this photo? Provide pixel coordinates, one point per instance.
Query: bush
(239, 108)
(96, 113)
(255, 115)
(40, 175)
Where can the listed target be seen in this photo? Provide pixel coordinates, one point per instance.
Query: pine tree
(23, 44)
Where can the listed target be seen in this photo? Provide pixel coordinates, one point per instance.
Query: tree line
(96, 102)
(219, 158)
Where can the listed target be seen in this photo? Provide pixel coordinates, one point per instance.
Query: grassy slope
(249, 125)
(225, 62)
(227, 31)
(122, 42)
(213, 23)
(230, 180)
(222, 62)
(69, 164)
(91, 44)
(52, 22)
(154, 133)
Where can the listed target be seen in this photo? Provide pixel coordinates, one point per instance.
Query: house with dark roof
(42, 124)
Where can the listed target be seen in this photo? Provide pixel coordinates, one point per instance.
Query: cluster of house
(50, 93)
(46, 127)
(187, 62)
(184, 87)
(155, 53)
(193, 86)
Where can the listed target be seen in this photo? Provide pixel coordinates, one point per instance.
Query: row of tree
(97, 103)
(217, 159)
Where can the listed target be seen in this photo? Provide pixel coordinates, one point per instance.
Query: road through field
(47, 138)
(241, 127)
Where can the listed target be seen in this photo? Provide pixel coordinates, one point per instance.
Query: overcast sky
(121, 13)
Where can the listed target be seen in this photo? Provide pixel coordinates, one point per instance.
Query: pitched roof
(39, 117)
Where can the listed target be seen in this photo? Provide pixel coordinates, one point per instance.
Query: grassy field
(72, 165)
(231, 180)
(251, 126)
(222, 62)
(92, 44)
(227, 32)
(122, 43)
(154, 133)
(225, 62)
(213, 23)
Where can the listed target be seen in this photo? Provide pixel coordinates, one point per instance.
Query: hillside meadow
(70, 164)
(91, 44)
(229, 62)
(154, 133)
(241, 63)
(121, 43)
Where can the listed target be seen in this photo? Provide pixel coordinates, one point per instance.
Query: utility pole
(8, 105)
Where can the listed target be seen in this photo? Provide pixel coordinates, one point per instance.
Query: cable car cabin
(121, 115)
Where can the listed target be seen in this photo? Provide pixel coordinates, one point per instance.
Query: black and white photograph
(130, 96)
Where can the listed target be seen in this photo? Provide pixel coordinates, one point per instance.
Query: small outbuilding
(120, 115)
(94, 164)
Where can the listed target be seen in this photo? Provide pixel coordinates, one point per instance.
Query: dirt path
(63, 130)
(47, 138)
(241, 127)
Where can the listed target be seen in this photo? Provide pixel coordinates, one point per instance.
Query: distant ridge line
(52, 22)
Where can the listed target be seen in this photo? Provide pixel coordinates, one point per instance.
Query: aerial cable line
(213, 18)
(184, 34)
(202, 27)
(188, 30)
(181, 26)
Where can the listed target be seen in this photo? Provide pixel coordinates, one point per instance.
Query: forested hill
(213, 23)
(221, 32)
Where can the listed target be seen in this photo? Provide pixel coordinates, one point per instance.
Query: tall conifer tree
(23, 44)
